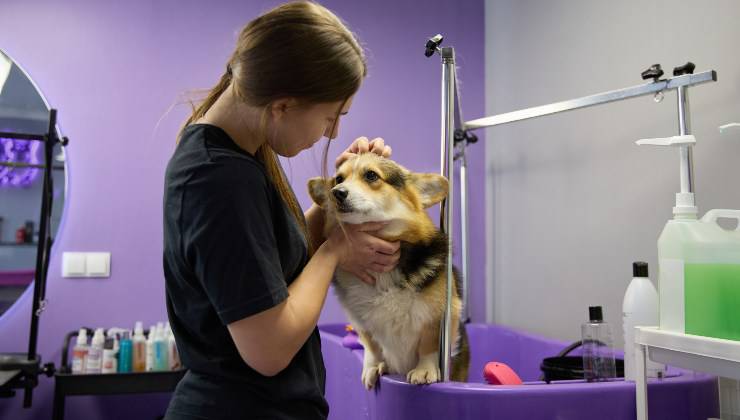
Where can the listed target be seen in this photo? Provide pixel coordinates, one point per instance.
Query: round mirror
(23, 110)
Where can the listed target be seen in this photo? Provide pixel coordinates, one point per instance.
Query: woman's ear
(279, 107)
(432, 188)
(318, 189)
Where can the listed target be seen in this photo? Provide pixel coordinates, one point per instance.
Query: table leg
(641, 382)
(58, 408)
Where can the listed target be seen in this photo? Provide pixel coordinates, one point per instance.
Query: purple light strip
(18, 151)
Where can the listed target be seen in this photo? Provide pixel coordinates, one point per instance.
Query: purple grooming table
(682, 395)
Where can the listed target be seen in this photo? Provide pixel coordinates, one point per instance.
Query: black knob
(654, 72)
(48, 369)
(472, 138)
(466, 136)
(687, 68)
(432, 44)
(339, 194)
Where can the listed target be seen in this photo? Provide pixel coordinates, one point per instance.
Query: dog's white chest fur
(393, 315)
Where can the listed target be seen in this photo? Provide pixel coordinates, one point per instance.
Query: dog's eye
(371, 176)
(339, 179)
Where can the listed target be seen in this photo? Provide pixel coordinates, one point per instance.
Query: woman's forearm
(269, 340)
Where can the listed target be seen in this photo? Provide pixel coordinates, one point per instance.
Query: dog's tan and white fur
(398, 318)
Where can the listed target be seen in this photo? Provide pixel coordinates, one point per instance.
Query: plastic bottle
(79, 353)
(124, 354)
(95, 353)
(139, 348)
(699, 276)
(150, 349)
(173, 357)
(639, 308)
(598, 355)
(160, 350)
(114, 334)
(110, 364)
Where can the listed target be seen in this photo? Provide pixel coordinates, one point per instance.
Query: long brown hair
(299, 50)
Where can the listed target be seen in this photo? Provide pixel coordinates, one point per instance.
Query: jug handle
(712, 215)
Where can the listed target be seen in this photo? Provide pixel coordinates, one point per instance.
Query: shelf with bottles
(120, 350)
(95, 382)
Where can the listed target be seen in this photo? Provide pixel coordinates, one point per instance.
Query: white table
(711, 355)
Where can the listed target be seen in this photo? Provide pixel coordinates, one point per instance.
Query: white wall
(573, 201)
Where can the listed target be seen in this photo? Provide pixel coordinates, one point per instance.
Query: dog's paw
(421, 376)
(370, 374)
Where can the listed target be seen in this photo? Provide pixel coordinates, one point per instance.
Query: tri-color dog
(397, 319)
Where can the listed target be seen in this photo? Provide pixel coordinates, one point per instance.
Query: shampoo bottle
(150, 349)
(124, 354)
(160, 350)
(110, 364)
(79, 352)
(639, 308)
(139, 349)
(95, 354)
(173, 357)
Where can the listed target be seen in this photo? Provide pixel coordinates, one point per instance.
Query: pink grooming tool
(500, 374)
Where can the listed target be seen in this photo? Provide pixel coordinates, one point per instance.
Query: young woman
(246, 273)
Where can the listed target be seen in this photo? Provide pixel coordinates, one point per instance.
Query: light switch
(98, 264)
(73, 264)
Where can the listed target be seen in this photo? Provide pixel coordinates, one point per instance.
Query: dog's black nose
(339, 194)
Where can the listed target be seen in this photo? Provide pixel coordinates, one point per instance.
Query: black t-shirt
(231, 247)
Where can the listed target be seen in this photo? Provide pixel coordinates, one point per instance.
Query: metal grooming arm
(598, 99)
(454, 132)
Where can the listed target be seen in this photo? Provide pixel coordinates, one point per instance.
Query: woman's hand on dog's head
(363, 145)
(361, 253)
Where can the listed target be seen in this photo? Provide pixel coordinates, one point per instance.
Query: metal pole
(42, 254)
(464, 228)
(448, 131)
(443, 147)
(684, 127)
(458, 123)
(42, 250)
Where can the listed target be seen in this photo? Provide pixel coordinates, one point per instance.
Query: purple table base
(682, 395)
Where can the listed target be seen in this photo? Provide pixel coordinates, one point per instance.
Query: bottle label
(78, 360)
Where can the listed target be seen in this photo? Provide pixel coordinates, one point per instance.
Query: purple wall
(113, 70)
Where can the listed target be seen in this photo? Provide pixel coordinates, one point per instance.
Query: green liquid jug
(699, 276)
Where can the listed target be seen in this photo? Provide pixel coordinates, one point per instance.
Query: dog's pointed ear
(318, 189)
(432, 188)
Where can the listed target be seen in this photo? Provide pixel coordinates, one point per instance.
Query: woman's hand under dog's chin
(361, 253)
(392, 230)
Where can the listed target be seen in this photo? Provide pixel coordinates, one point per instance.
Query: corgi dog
(398, 318)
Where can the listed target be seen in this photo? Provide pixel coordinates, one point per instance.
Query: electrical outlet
(74, 264)
(98, 264)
